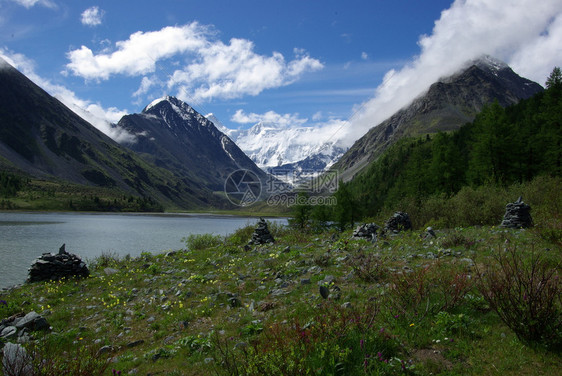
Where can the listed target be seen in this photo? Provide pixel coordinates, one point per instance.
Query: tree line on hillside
(502, 146)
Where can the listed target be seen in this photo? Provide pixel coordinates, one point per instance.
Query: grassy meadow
(477, 300)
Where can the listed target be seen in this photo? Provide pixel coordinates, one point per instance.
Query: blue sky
(336, 64)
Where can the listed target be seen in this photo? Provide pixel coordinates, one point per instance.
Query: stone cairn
(517, 215)
(367, 231)
(52, 266)
(399, 221)
(261, 234)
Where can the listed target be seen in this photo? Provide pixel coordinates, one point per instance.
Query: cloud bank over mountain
(524, 33)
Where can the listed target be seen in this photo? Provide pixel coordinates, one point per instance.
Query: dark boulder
(366, 231)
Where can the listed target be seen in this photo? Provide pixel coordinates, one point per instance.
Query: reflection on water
(26, 223)
(25, 236)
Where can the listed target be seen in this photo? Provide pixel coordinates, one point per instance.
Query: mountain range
(183, 159)
(178, 158)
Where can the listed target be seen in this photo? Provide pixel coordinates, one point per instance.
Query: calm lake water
(25, 236)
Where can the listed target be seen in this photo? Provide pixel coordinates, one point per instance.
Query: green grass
(219, 307)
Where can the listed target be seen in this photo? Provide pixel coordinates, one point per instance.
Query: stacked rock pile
(261, 234)
(399, 221)
(517, 215)
(57, 266)
(366, 231)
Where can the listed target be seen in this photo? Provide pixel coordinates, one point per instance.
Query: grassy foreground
(319, 304)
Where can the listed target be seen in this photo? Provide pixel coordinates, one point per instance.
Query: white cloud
(137, 55)
(213, 70)
(524, 33)
(270, 117)
(233, 70)
(92, 16)
(318, 131)
(146, 84)
(364, 56)
(31, 3)
(94, 113)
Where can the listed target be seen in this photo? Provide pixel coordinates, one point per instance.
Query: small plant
(526, 293)
(368, 266)
(453, 324)
(252, 328)
(202, 241)
(8, 308)
(428, 290)
(106, 259)
(49, 359)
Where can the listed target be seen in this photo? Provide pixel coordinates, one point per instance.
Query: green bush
(525, 290)
(241, 236)
(202, 241)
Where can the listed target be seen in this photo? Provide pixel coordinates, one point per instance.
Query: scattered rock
(429, 233)
(33, 321)
(367, 231)
(9, 332)
(324, 291)
(57, 266)
(135, 343)
(400, 221)
(110, 271)
(18, 326)
(105, 349)
(261, 234)
(15, 360)
(517, 215)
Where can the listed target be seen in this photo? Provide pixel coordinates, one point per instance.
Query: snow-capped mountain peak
(281, 146)
(175, 112)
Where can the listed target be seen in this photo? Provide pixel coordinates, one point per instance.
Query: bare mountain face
(172, 135)
(447, 105)
(41, 137)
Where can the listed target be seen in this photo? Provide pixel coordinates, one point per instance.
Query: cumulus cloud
(213, 69)
(137, 55)
(94, 113)
(270, 117)
(31, 3)
(92, 16)
(524, 33)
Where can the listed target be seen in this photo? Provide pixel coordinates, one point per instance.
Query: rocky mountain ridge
(172, 135)
(447, 105)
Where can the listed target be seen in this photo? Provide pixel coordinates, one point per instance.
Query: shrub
(526, 293)
(368, 267)
(52, 357)
(106, 259)
(241, 236)
(202, 241)
(335, 341)
(428, 290)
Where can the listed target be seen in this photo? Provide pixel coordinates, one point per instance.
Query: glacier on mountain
(275, 147)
